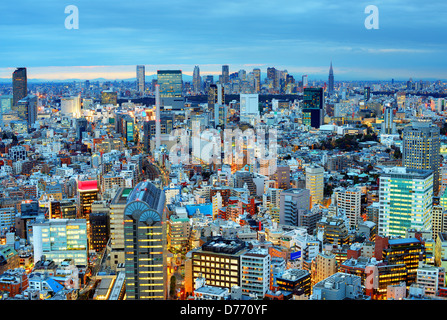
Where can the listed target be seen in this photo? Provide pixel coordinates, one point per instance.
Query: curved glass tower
(145, 243)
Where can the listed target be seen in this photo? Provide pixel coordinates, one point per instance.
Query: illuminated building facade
(87, 193)
(405, 198)
(145, 243)
(313, 107)
(170, 82)
(315, 183)
(294, 279)
(60, 239)
(219, 262)
(255, 276)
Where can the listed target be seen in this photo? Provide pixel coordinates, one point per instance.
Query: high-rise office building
(81, 126)
(196, 80)
(60, 239)
(6, 103)
(170, 82)
(99, 230)
(405, 198)
(141, 78)
(27, 109)
(367, 93)
(19, 85)
(291, 201)
(313, 107)
(408, 251)
(71, 106)
(388, 125)
(304, 80)
(315, 183)
(171, 88)
(87, 193)
(219, 261)
(145, 236)
(348, 202)
(216, 98)
(225, 74)
(255, 276)
(331, 80)
(249, 104)
(421, 149)
(257, 80)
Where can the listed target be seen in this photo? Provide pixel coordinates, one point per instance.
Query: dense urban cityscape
(252, 185)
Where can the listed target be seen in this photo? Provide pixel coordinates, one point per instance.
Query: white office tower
(249, 105)
(348, 202)
(255, 275)
(71, 106)
(406, 201)
(315, 183)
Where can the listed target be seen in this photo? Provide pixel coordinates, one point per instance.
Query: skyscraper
(315, 183)
(171, 88)
(331, 80)
(405, 198)
(348, 202)
(141, 78)
(272, 75)
(145, 243)
(88, 193)
(19, 85)
(225, 74)
(313, 107)
(257, 79)
(196, 81)
(216, 96)
(388, 125)
(421, 149)
(305, 82)
(27, 109)
(170, 82)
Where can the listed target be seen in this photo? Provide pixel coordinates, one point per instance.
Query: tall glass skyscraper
(145, 243)
(27, 109)
(141, 81)
(406, 201)
(196, 80)
(225, 74)
(170, 82)
(257, 79)
(313, 107)
(331, 80)
(19, 85)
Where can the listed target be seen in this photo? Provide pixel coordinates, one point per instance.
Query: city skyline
(300, 37)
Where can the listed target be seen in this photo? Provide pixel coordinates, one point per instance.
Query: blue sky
(300, 36)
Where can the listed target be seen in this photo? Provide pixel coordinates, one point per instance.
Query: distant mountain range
(148, 79)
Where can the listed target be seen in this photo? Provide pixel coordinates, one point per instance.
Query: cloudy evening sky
(301, 36)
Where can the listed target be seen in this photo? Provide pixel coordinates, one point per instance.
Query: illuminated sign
(295, 255)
